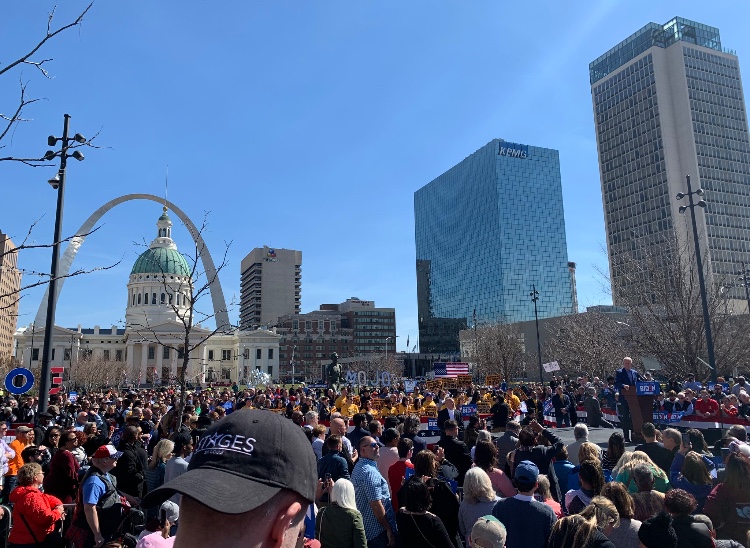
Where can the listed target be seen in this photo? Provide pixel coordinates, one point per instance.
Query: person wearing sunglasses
(62, 478)
(373, 496)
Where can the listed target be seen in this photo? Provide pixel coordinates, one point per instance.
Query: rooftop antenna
(166, 188)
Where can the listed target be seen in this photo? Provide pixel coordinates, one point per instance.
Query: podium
(640, 400)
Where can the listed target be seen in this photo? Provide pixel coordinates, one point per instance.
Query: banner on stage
(432, 424)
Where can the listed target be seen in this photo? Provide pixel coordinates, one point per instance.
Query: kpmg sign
(513, 150)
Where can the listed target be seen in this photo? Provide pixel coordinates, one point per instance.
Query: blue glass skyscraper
(486, 230)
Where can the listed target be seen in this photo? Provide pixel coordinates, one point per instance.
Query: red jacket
(38, 509)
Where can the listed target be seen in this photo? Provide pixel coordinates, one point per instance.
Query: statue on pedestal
(333, 372)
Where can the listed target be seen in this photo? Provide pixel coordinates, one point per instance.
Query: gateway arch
(66, 261)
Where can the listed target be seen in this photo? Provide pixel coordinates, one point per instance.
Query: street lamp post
(701, 280)
(534, 298)
(57, 183)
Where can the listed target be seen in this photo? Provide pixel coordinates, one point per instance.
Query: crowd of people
(349, 467)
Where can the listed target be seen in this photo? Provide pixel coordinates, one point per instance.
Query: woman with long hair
(485, 457)
(591, 480)
(157, 467)
(444, 502)
(625, 535)
(625, 474)
(339, 525)
(588, 529)
(35, 514)
(479, 500)
(62, 479)
(613, 452)
(690, 471)
(728, 505)
(416, 524)
(544, 493)
(587, 451)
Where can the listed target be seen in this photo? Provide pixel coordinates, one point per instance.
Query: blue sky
(306, 125)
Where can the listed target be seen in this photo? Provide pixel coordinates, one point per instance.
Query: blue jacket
(678, 481)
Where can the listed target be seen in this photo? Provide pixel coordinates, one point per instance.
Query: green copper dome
(161, 260)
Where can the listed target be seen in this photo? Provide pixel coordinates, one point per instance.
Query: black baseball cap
(242, 461)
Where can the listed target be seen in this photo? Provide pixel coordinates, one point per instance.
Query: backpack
(110, 509)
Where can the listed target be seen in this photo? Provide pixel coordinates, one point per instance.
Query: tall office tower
(10, 292)
(486, 231)
(668, 102)
(270, 286)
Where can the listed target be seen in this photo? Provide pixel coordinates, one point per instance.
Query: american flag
(449, 370)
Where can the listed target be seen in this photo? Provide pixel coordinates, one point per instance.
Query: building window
(66, 355)
(270, 353)
(226, 374)
(258, 354)
(226, 355)
(180, 352)
(106, 355)
(257, 367)
(308, 325)
(53, 355)
(151, 352)
(333, 326)
(163, 298)
(178, 299)
(270, 370)
(321, 326)
(118, 355)
(133, 299)
(139, 298)
(295, 324)
(165, 352)
(210, 354)
(153, 298)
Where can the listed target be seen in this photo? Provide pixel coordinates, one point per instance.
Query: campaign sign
(72, 396)
(432, 424)
(724, 385)
(409, 386)
(661, 417)
(468, 411)
(646, 388)
(19, 381)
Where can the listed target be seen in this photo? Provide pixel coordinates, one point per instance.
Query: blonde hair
(478, 487)
(639, 457)
(161, 453)
(589, 451)
(27, 473)
(543, 490)
(602, 511)
(342, 494)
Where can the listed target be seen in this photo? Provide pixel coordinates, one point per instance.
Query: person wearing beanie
(657, 532)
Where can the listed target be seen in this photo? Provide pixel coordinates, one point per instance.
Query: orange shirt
(14, 464)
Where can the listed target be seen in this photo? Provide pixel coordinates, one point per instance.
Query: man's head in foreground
(254, 467)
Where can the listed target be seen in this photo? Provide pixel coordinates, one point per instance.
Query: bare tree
(498, 349)
(16, 114)
(666, 312)
(590, 343)
(9, 300)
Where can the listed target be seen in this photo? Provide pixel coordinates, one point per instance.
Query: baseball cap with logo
(242, 461)
(488, 532)
(107, 452)
(527, 471)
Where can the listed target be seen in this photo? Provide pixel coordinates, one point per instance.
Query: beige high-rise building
(668, 102)
(270, 286)
(10, 292)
